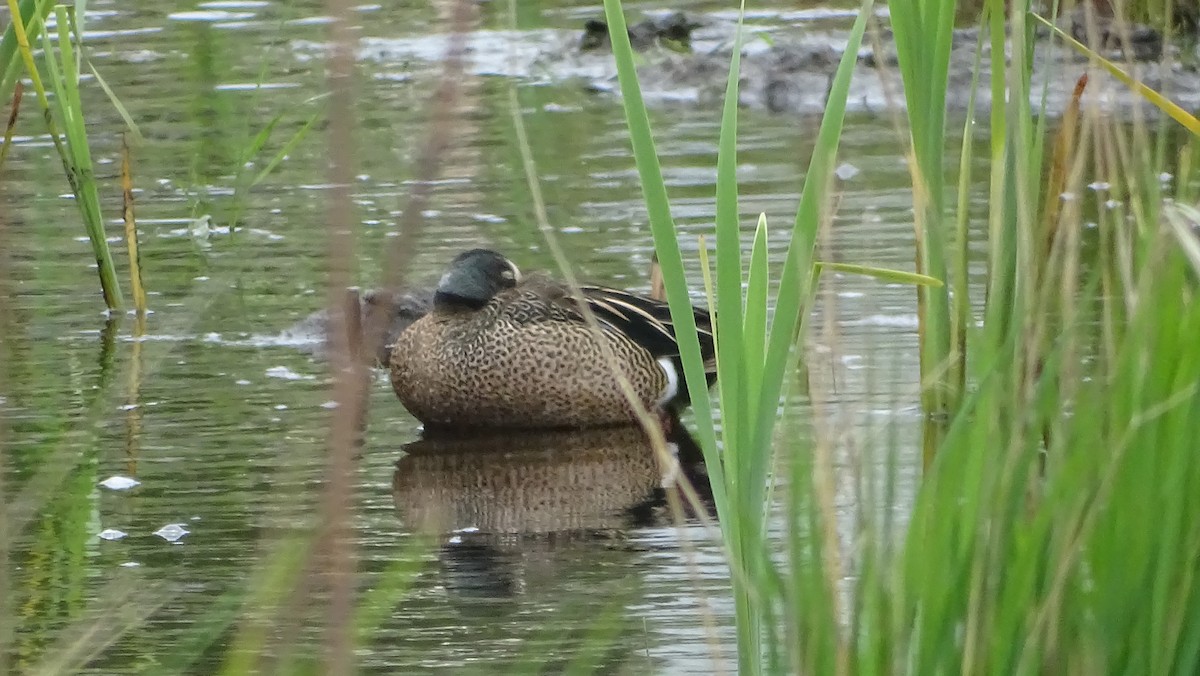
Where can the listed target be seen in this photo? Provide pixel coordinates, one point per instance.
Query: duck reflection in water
(499, 501)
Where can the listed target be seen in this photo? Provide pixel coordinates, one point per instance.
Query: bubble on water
(171, 532)
(285, 373)
(846, 171)
(209, 16)
(111, 534)
(120, 483)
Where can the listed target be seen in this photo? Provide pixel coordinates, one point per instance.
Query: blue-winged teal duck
(502, 350)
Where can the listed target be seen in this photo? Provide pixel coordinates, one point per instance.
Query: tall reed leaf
(71, 145)
(666, 242)
(78, 160)
(748, 352)
(923, 31)
(797, 267)
(32, 15)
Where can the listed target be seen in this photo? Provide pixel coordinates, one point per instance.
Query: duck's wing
(646, 321)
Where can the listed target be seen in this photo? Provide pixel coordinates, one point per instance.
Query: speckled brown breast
(523, 361)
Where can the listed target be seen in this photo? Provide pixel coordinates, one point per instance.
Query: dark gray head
(474, 277)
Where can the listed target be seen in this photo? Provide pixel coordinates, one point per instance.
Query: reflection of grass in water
(52, 503)
(231, 140)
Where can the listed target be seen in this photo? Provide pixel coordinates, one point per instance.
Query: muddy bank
(788, 61)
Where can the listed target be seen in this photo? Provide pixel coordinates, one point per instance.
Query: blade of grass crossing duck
(666, 243)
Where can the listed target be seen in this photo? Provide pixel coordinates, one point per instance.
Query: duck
(395, 310)
(1137, 42)
(499, 349)
(673, 31)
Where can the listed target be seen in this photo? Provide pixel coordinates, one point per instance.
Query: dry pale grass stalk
(6, 628)
(131, 234)
(442, 120)
(347, 356)
(336, 546)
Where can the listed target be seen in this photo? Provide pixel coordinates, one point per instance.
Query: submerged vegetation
(1056, 528)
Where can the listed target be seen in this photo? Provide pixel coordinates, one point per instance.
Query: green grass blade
(882, 274)
(112, 97)
(32, 14)
(1189, 121)
(794, 280)
(732, 365)
(80, 13)
(924, 36)
(961, 299)
(286, 149)
(395, 582)
(666, 243)
(754, 333)
(79, 160)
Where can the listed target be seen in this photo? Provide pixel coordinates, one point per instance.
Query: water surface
(224, 425)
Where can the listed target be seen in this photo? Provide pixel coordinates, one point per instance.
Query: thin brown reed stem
(442, 118)
(336, 542)
(6, 535)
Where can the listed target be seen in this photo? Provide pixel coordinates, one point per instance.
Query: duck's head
(474, 278)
